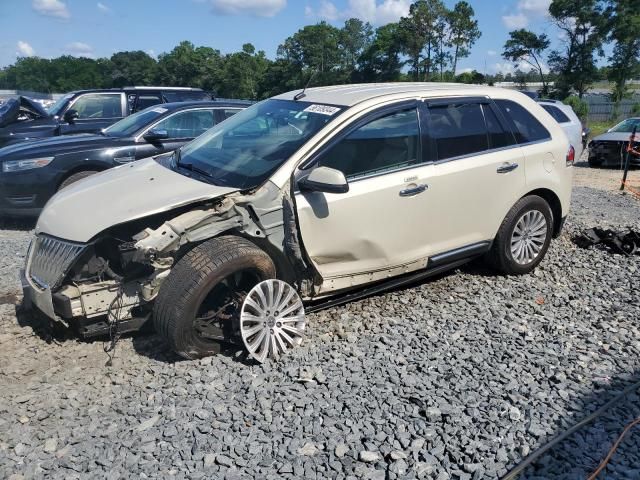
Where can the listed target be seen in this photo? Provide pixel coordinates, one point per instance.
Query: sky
(50, 28)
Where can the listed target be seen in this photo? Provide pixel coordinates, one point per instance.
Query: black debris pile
(625, 243)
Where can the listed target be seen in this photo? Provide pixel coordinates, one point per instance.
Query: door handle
(410, 192)
(507, 167)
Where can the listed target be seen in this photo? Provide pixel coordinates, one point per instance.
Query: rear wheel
(75, 177)
(524, 237)
(198, 306)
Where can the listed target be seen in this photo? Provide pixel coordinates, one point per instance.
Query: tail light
(571, 156)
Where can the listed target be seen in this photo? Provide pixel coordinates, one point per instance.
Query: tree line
(586, 27)
(426, 45)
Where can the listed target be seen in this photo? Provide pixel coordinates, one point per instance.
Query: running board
(384, 286)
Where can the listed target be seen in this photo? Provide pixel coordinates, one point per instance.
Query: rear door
(478, 175)
(95, 112)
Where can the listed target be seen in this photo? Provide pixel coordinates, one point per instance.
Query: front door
(95, 112)
(378, 228)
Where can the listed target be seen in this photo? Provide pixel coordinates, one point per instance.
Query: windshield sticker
(322, 109)
(159, 110)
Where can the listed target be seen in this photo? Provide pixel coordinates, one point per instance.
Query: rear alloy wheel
(198, 307)
(524, 237)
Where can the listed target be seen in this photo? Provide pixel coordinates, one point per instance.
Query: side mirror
(155, 135)
(324, 179)
(70, 116)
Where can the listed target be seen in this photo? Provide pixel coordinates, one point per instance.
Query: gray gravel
(459, 377)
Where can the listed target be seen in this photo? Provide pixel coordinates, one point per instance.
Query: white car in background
(568, 120)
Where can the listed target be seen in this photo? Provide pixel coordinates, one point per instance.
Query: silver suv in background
(308, 197)
(569, 121)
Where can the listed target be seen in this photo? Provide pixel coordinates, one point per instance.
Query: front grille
(50, 260)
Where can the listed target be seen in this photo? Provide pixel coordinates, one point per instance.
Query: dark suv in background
(84, 111)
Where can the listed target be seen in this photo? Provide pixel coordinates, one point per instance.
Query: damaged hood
(613, 137)
(10, 110)
(84, 209)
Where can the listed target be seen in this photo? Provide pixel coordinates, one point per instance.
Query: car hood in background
(84, 209)
(10, 110)
(614, 137)
(52, 146)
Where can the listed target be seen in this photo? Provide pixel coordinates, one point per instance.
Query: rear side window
(526, 127)
(556, 113)
(185, 95)
(499, 137)
(385, 144)
(147, 100)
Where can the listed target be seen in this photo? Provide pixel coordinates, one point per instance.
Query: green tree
(526, 46)
(132, 68)
(583, 26)
(624, 23)
(188, 66)
(419, 35)
(354, 38)
(381, 61)
(464, 31)
(471, 77)
(242, 73)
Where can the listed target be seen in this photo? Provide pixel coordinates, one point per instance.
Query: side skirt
(437, 264)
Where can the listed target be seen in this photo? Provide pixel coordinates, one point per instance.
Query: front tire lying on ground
(523, 238)
(198, 304)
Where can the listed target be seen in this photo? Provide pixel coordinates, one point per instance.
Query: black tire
(211, 267)
(500, 256)
(75, 177)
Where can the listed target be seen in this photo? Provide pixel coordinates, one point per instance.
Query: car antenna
(301, 94)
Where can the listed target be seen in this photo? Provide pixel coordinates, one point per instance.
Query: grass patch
(598, 128)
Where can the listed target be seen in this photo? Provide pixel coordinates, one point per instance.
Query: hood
(11, 109)
(52, 146)
(84, 209)
(614, 137)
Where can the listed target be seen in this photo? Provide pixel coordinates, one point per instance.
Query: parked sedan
(568, 120)
(33, 171)
(609, 149)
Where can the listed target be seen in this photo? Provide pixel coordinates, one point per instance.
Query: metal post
(628, 159)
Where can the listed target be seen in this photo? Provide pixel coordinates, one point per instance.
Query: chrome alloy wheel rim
(528, 237)
(272, 320)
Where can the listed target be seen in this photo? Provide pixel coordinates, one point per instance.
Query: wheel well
(81, 168)
(556, 207)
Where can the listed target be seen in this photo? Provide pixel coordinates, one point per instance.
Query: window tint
(556, 113)
(98, 106)
(498, 136)
(383, 144)
(147, 100)
(527, 128)
(458, 129)
(188, 124)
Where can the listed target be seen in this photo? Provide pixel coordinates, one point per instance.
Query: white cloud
(24, 49)
(80, 49)
(515, 21)
(367, 10)
(103, 8)
(51, 8)
(492, 53)
(535, 7)
(258, 8)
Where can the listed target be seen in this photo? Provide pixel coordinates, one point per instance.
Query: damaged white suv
(301, 201)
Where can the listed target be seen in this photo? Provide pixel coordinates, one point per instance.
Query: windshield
(56, 108)
(627, 125)
(243, 151)
(131, 124)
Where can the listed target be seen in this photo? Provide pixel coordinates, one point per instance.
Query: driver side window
(106, 105)
(384, 144)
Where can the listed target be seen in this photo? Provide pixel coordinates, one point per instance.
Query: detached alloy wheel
(524, 237)
(198, 307)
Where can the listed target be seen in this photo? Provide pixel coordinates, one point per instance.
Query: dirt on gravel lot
(459, 377)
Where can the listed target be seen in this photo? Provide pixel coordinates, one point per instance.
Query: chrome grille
(50, 259)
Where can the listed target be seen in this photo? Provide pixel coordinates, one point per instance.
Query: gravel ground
(459, 377)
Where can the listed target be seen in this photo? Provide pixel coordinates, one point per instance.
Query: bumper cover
(36, 298)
